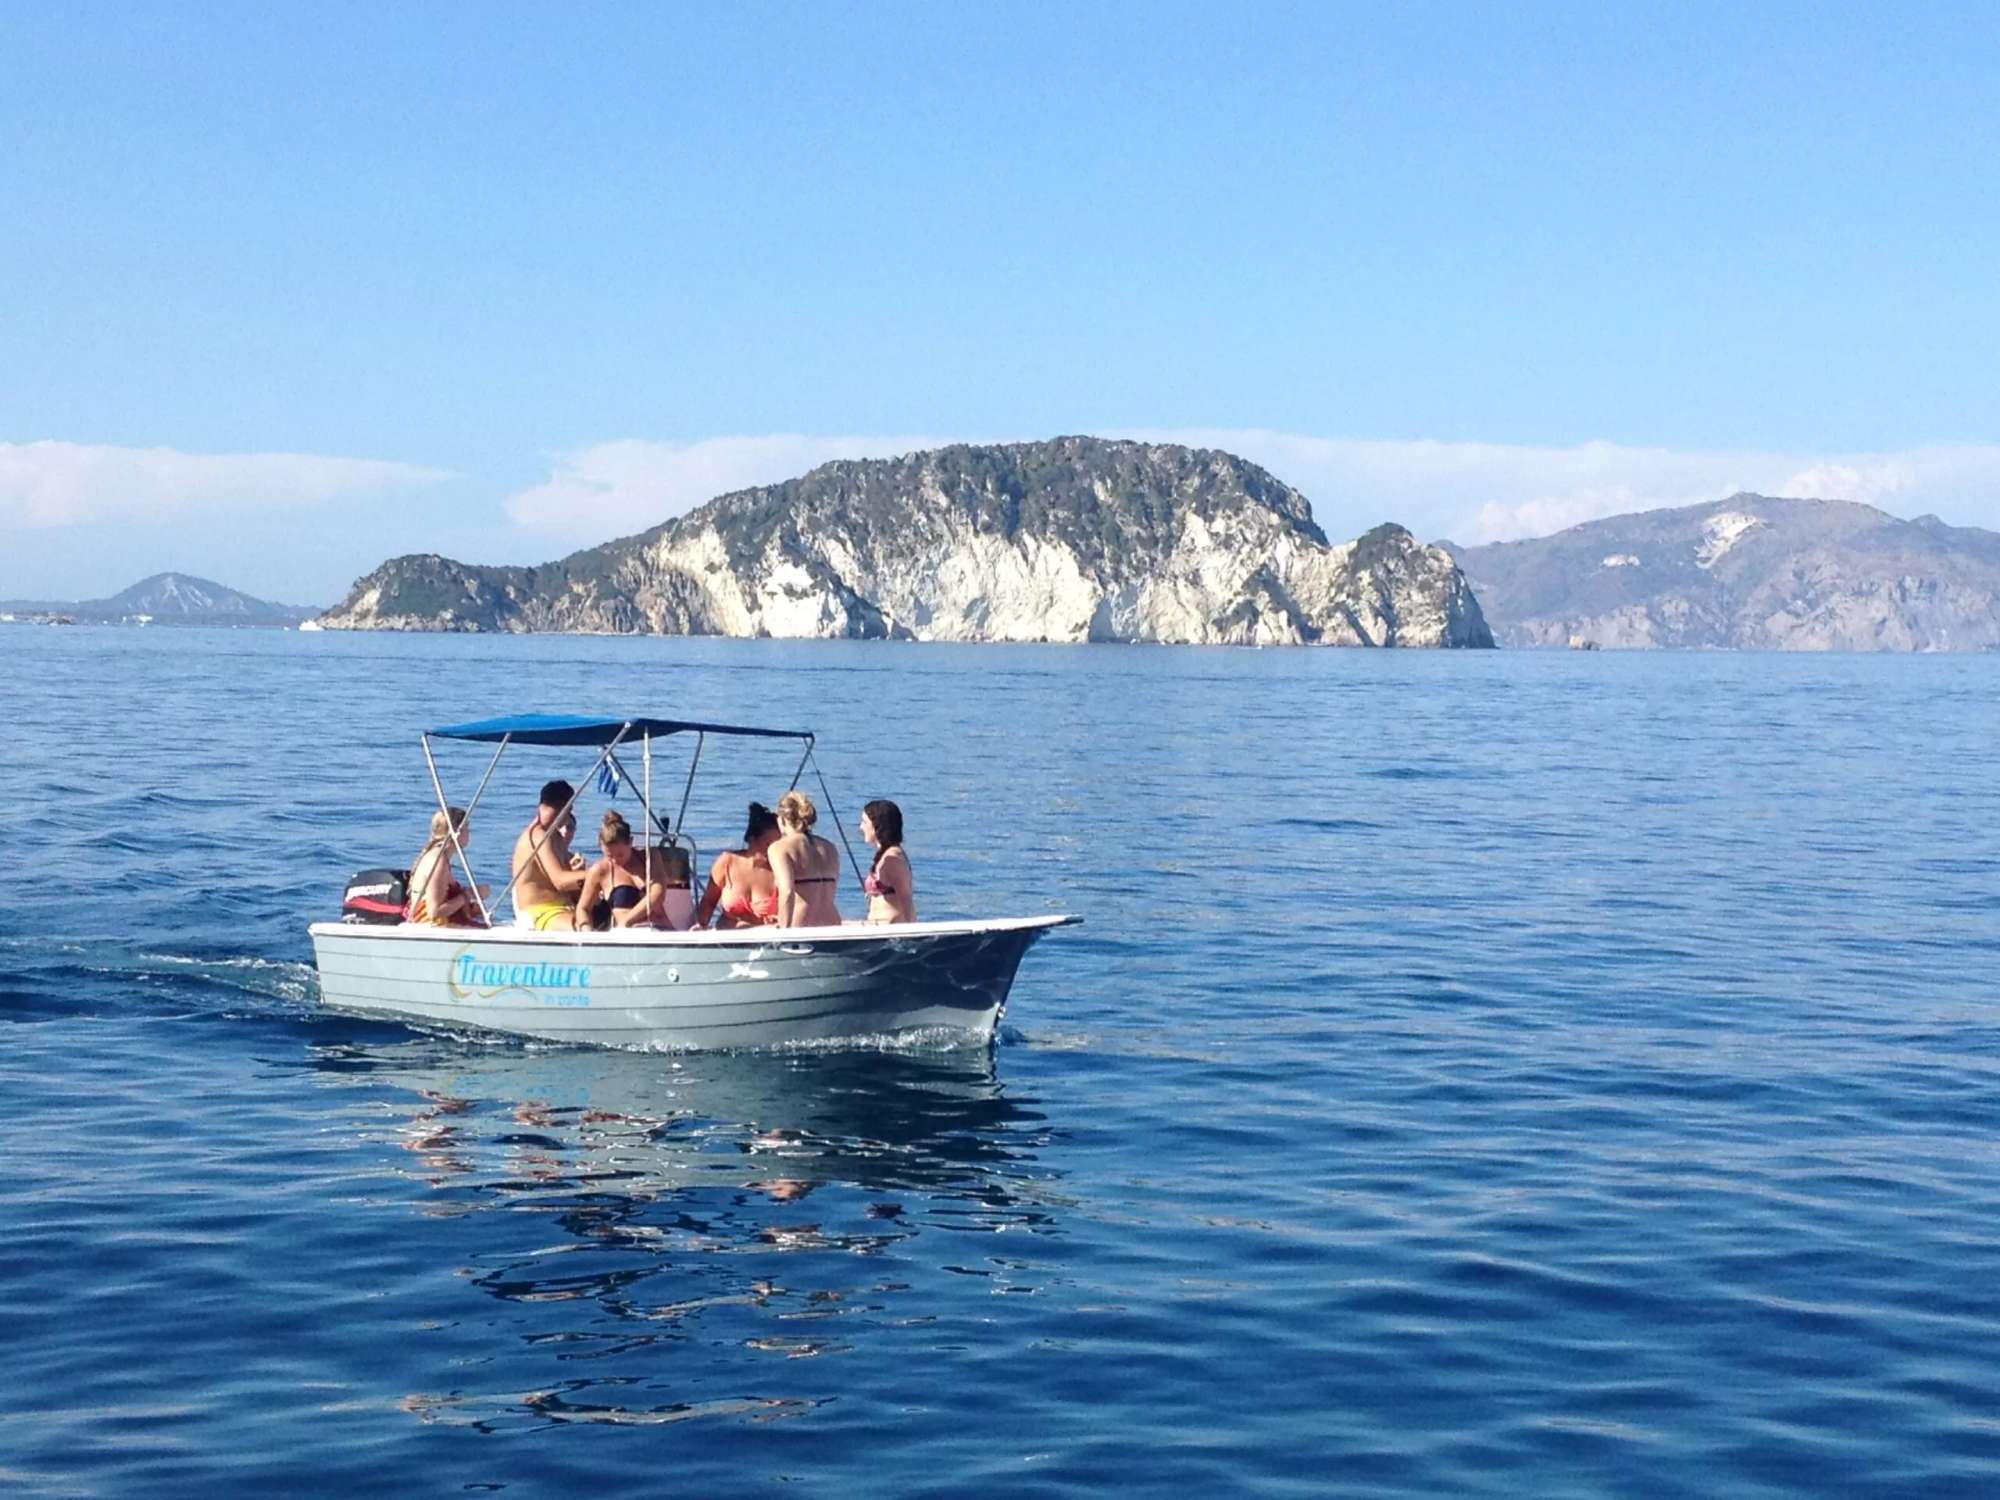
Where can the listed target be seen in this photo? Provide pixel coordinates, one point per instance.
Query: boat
(755, 987)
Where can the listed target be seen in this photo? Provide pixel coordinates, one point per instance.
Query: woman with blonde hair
(436, 899)
(806, 865)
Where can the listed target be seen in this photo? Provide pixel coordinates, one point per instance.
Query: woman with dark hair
(742, 891)
(892, 895)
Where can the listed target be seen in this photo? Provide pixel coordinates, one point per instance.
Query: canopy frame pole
(451, 832)
(491, 766)
(575, 792)
(646, 802)
(680, 817)
(653, 824)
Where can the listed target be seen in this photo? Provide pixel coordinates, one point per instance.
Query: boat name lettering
(472, 976)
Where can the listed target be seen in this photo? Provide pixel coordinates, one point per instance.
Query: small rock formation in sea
(1749, 571)
(1073, 539)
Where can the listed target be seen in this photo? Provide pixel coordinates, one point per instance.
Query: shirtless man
(547, 877)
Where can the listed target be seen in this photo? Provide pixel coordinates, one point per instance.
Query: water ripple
(1479, 1076)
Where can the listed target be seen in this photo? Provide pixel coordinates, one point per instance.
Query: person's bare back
(807, 867)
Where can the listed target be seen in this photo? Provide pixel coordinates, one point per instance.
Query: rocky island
(1073, 539)
(1751, 571)
(165, 599)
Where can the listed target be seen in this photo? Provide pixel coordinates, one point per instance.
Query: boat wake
(273, 979)
(50, 978)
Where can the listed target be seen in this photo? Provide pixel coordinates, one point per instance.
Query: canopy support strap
(838, 826)
(680, 818)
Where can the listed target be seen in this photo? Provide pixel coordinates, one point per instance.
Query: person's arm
(781, 871)
(562, 876)
(465, 903)
(903, 900)
(704, 911)
(592, 880)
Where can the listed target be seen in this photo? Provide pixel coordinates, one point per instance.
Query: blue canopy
(587, 729)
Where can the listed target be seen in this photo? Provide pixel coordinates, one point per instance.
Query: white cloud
(53, 484)
(1490, 492)
(613, 489)
(1871, 481)
(1469, 492)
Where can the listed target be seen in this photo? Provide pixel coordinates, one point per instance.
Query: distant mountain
(169, 599)
(1073, 539)
(1749, 571)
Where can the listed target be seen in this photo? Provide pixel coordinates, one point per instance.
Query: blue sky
(284, 291)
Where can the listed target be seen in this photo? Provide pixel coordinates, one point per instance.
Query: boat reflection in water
(667, 1235)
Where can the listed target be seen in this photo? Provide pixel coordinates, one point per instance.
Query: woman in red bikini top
(892, 893)
(742, 891)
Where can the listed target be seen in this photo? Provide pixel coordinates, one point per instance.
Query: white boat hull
(756, 987)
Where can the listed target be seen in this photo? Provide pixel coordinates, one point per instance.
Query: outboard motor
(376, 897)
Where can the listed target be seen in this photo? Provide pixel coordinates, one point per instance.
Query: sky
(287, 290)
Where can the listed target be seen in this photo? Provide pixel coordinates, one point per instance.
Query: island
(1071, 539)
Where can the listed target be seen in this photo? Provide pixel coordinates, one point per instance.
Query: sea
(1476, 1074)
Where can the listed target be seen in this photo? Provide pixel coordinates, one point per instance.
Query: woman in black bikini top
(615, 892)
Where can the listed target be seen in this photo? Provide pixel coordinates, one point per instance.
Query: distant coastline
(1091, 541)
(172, 599)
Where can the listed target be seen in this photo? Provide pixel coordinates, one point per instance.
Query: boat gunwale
(721, 937)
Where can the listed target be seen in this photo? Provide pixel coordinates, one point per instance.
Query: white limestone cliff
(1072, 540)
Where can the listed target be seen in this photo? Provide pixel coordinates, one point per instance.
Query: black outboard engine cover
(376, 897)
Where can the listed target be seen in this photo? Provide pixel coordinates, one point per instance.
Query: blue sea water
(1478, 1074)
